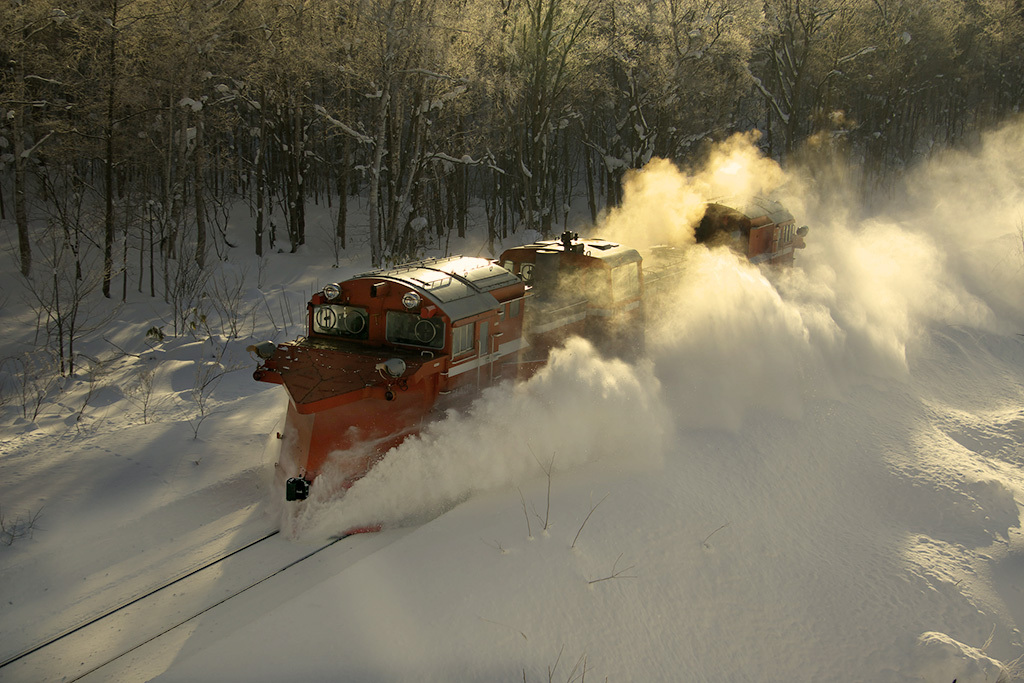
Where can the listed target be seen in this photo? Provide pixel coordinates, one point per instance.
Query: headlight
(410, 300)
(264, 350)
(395, 367)
(332, 292)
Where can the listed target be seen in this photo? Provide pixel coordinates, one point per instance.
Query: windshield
(340, 321)
(626, 281)
(410, 328)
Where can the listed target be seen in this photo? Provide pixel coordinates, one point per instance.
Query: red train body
(386, 349)
(761, 229)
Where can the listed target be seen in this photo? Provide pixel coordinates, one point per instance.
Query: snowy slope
(814, 476)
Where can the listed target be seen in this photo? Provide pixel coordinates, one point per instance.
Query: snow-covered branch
(28, 152)
(348, 130)
(772, 101)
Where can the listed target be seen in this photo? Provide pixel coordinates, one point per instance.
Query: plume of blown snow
(580, 408)
(730, 339)
(733, 339)
(938, 255)
(661, 203)
(882, 284)
(971, 203)
(738, 168)
(732, 345)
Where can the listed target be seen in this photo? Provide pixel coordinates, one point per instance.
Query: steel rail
(89, 621)
(208, 608)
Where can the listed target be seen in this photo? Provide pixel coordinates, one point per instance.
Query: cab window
(409, 328)
(462, 339)
(340, 321)
(626, 282)
(589, 283)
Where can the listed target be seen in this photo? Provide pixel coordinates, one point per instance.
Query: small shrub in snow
(577, 673)
(21, 526)
(228, 300)
(585, 520)
(208, 376)
(31, 378)
(140, 393)
(705, 543)
(616, 573)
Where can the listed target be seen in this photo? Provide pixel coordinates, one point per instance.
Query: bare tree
(187, 296)
(105, 36)
(548, 54)
(207, 377)
(804, 47)
(32, 378)
(227, 298)
(61, 294)
(421, 107)
(26, 31)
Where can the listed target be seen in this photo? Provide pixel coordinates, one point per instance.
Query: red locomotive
(761, 229)
(387, 348)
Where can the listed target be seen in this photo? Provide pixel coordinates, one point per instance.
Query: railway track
(100, 640)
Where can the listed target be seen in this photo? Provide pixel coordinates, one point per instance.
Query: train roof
(611, 254)
(756, 207)
(459, 285)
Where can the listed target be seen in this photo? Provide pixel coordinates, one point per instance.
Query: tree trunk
(124, 253)
(375, 171)
(20, 193)
(343, 174)
(299, 145)
(198, 185)
(591, 199)
(258, 169)
(108, 170)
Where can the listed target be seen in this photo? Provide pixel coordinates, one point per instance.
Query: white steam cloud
(732, 339)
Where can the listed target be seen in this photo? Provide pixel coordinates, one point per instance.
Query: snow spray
(579, 408)
(730, 339)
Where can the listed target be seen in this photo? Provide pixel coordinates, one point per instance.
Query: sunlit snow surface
(813, 476)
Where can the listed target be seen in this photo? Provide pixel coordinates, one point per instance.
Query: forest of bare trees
(130, 128)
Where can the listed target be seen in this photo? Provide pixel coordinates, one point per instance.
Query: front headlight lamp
(393, 367)
(332, 292)
(410, 300)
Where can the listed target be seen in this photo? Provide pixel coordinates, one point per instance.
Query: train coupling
(296, 488)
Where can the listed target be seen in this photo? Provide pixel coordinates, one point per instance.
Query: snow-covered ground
(814, 476)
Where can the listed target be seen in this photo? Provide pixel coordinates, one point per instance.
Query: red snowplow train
(387, 349)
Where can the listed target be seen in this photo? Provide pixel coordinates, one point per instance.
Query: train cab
(759, 228)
